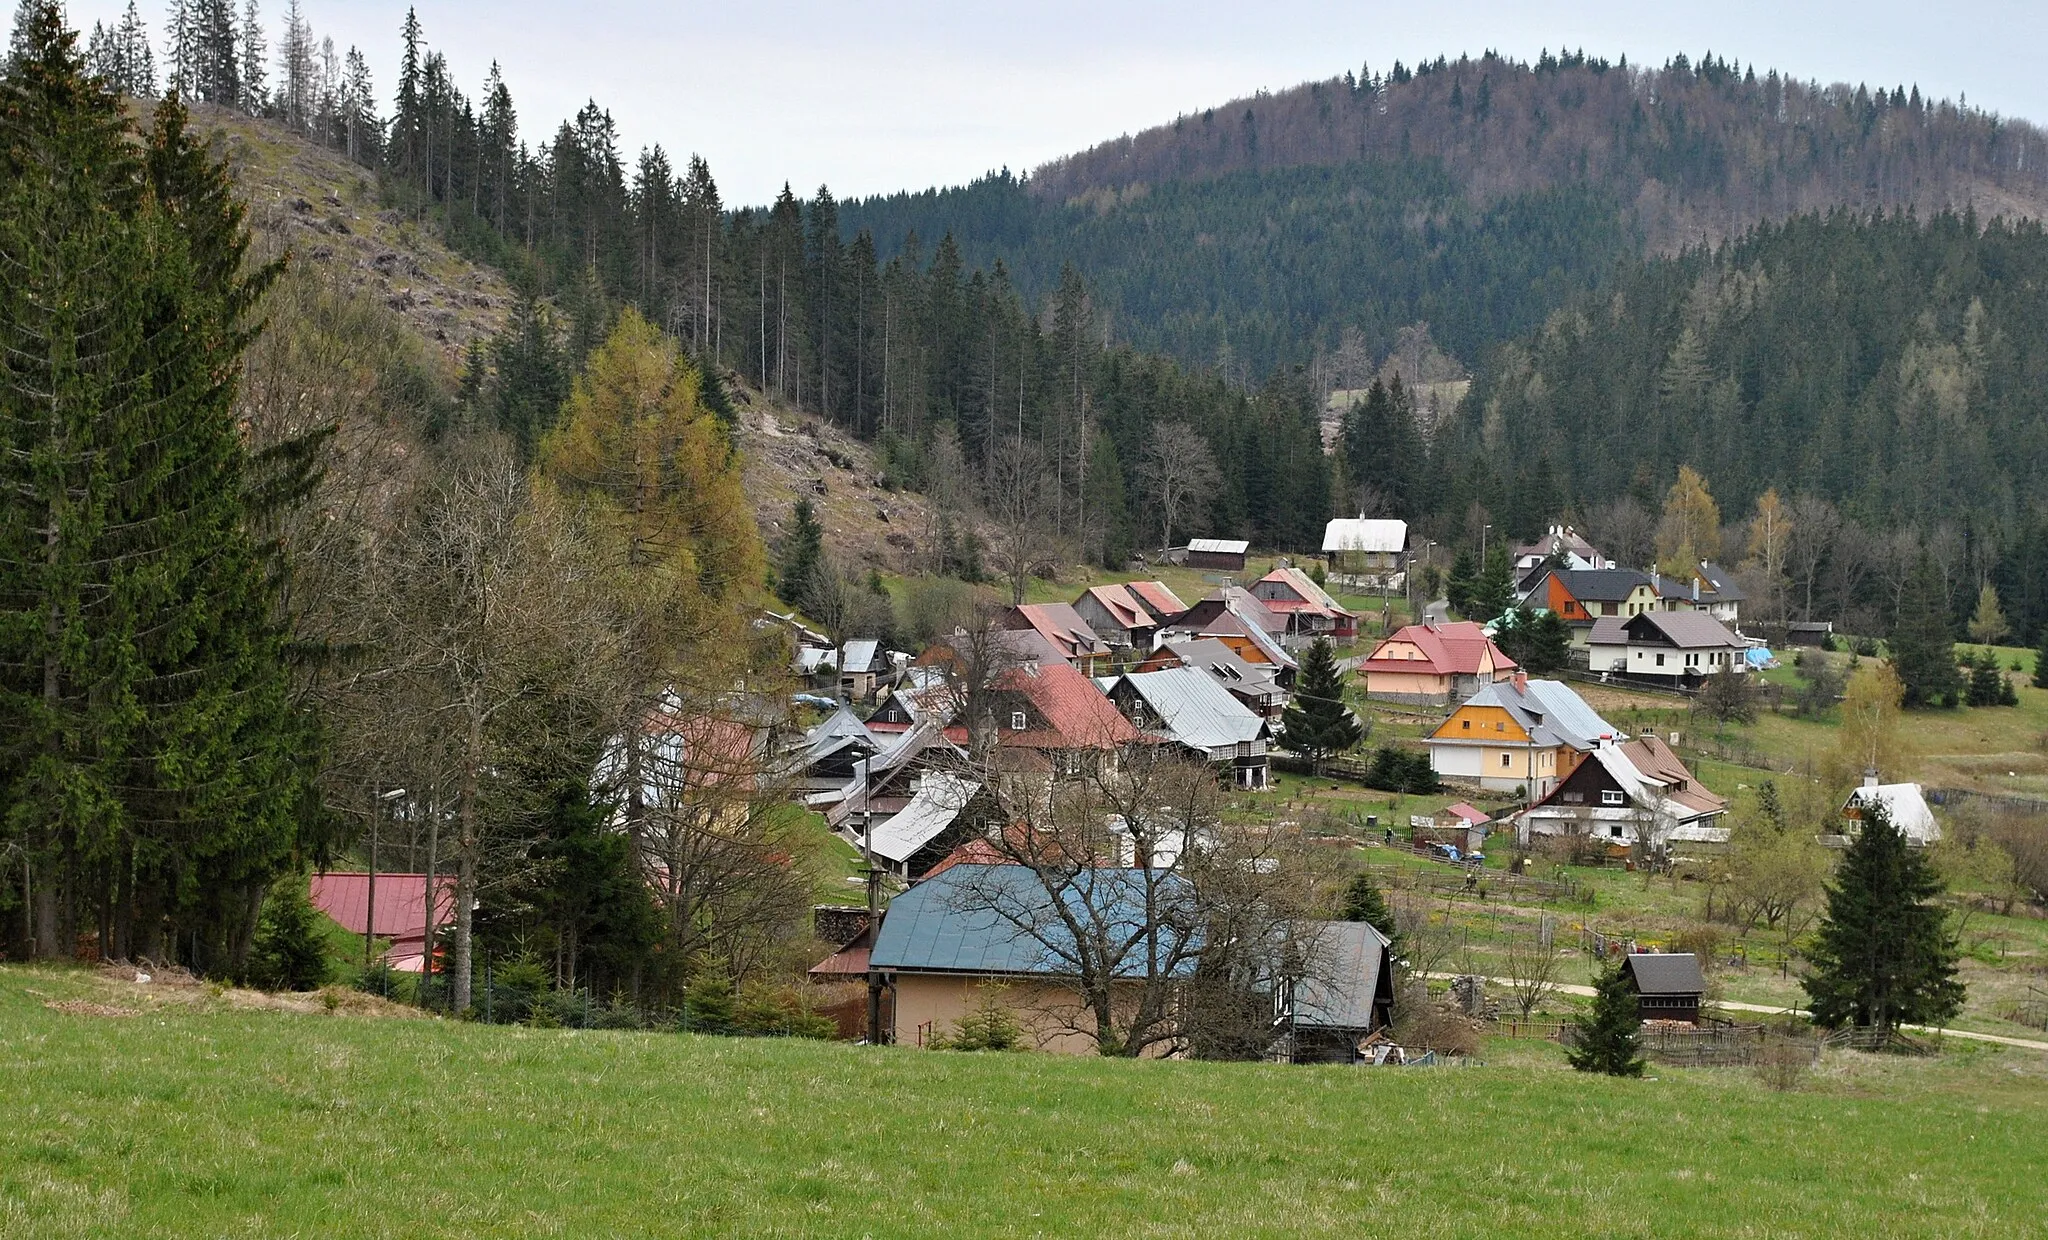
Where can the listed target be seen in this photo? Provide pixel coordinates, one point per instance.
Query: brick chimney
(1521, 681)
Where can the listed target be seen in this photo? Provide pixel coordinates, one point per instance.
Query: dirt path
(1767, 1010)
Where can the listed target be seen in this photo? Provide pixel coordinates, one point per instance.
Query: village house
(1580, 597)
(1434, 664)
(1217, 554)
(1668, 985)
(1051, 722)
(1679, 648)
(1906, 805)
(1236, 618)
(1629, 793)
(831, 753)
(884, 783)
(1718, 595)
(397, 914)
(934, 821)
(1517, 735)
(1374, 548)
(1185, 706)
(1254, 684)
(1063, 629)
(1129, 614)
(1560, 547)
(1309, 610)
(1463, 825)
(854, 671)
(1344, 997)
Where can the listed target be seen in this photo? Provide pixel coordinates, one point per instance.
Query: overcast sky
(869, 98)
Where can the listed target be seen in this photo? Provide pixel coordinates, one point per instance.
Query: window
(1017, 721)
(1660, 660)
(1615, 832)
(1506, 760)
(1609, 796)
(1570, 798)
(1468, 728)
(1498, 726)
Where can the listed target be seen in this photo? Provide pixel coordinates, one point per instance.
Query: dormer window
(1609, 796)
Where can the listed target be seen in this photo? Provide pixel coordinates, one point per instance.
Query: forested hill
(1888, 375)
(1463, 193)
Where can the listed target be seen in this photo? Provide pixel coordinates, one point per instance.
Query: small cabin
(1668, 985)
(1225, 554)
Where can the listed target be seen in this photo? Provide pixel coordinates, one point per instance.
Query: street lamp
(370, 900)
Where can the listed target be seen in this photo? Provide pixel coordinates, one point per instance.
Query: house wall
(929, 1004)
(1418, 688)
(1486, 723)
(1216, 560)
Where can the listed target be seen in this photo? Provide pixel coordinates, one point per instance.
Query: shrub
(514, 991)
(1783, 1063)
(1421, 1021)
(707, 1003)
(1701, 941)
(989, 1025)
(289, 953)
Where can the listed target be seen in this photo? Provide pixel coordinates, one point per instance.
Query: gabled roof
(1158, 599)
(841, 730)
(1193, 709)
(1559, 540)
(1661, 768)
(1907, 806)
(940, 798)
(1123, 606)
(973, 919)
(1223, 664)
(1365, 534)
(1687, 630)
(1062, 626)
(1311, 597)
(1341, 982)
(859, 654)
(1547, 710)
(1219, 546)
(1597, 585)
(1468, 813)
(1721, 583)
(1074, 712)
(1665, 973)
(1451, 650)
(401, 909)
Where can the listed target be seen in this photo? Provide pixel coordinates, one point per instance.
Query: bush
(1701, 941)
(289, 953)
(1422, 1021)
(515, 990)
(1783, 1063)
(707, 1003)
(1399, 770)
(988, 1026)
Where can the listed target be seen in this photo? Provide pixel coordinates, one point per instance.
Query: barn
(1222, 554)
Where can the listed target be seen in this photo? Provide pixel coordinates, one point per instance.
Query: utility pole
(370, 900)
(874, 876)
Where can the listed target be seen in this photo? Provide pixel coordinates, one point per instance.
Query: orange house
(1434, 664)
(1518, 735)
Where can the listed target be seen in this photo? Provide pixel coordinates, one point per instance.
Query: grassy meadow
(190, 1112)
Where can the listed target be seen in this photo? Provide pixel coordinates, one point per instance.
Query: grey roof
(842, 729)
(1665, 973)
(1342, 978)
(859, 655)
(1223, 663)
(1598, 585)
(1194, 709)
(1548, 710)
(1000, 919)
(1693, 630)
(940, 798)
(1723, 584)
(1219, 546)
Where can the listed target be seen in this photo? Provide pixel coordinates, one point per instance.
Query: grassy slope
(216, 1121)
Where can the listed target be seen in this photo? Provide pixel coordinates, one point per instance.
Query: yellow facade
(1481, 723)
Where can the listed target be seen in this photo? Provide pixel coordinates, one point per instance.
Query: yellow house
(1517, 735)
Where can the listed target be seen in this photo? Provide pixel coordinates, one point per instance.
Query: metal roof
(1666, 973)
(1365, 534)
(1194, 709)
(1547, 709)
(1597, 585)
(940, 798)
(1219, 546)
(1905, 804)
(858, 655)
(1000, 919)
(1342, 976)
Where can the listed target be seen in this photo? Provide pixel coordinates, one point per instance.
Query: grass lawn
(207, 1119)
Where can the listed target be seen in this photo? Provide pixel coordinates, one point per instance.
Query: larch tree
(1769, 549)
(1988, 624)
(1870, 737)
(1691, 527)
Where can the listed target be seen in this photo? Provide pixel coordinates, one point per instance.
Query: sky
(874, 97)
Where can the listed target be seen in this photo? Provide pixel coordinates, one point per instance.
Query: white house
(1906, 804)
(1679, 647)
(1367, 546)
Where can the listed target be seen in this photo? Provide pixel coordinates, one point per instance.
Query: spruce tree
(1922, 644)
(2041, 659)
(1364, 902)
(803, 557)
(1987, 685)
(1610, 1033)
(1494, 592)
(1459, 586)
(1317, 722)
(1885, 956)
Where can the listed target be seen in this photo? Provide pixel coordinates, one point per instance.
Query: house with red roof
(1048, 716)
(1129, 614)
(1434, 664)
(398, 911)
(1063, 629)
(1309, 610)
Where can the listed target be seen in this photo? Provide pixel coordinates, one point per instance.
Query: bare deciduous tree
(1178, 466)
(1019, 504)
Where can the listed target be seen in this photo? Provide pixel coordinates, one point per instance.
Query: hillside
(329, 214)
(134, 1116)
(1469, 195)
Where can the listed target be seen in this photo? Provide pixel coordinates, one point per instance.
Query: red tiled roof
(973, 852)
(1075, 714)
(1158, 599)
(1449, 650)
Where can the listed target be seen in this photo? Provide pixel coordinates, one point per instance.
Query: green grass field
(203, 1118)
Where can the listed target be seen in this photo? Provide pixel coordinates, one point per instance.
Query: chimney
(1521, 681)
(1695, 592)
(1870, 777)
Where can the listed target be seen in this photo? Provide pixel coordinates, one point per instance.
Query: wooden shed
(1668, 985)
(1223, 554)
